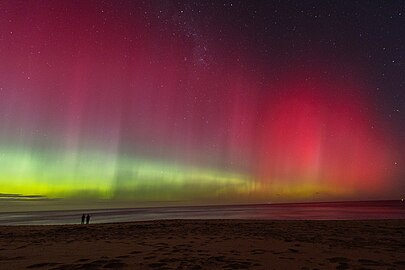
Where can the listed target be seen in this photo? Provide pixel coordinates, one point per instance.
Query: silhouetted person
(83, 218)
(87, 219)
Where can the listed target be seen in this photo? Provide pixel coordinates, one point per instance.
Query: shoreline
(225, 220)
(206, 244)
(371, 210)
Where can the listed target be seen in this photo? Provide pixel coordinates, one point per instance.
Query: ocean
(287, 211)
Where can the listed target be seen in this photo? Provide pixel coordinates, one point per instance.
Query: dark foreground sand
(207, 244)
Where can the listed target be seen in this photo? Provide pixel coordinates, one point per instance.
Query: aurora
(159, 102)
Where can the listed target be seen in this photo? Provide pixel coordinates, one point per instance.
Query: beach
(207, 244)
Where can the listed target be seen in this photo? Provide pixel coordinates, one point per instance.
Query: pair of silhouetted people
(86, 218)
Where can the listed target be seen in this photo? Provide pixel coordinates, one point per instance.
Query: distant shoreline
(212, 205)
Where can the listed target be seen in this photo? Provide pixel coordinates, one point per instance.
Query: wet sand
(206, 244)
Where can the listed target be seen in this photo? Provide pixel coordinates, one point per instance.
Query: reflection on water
(303, 211)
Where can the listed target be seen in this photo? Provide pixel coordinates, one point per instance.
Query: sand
(206, 244)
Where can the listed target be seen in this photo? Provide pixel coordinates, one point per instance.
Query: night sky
(201, 102)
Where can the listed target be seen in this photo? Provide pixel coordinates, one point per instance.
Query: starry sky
(202, 102)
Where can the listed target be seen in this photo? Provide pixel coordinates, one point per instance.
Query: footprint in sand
(257, 251)
(115, 265)
(41, 265)
(157, 265)
(149, 257)
(368, 262)
(338, 259)
(83, 260)
(123, 256)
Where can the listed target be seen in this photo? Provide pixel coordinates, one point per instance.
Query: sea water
(287, 211)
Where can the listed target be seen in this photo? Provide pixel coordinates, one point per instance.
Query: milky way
(196, 102)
